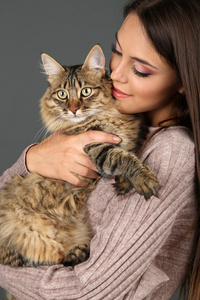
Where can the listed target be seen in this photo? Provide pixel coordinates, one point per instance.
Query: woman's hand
(62, 156)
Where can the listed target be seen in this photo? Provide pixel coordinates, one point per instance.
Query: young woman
(141, 249)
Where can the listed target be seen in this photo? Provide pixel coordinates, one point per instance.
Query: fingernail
(116, 139)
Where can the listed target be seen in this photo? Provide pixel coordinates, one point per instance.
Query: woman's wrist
(31, 159)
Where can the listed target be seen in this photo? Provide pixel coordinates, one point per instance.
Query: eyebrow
(136, 58)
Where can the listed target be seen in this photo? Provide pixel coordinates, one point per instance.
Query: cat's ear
(51, 67)
(95, 60)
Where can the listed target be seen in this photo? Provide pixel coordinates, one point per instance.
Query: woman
(141, 249)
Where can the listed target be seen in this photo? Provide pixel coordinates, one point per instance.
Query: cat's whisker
(58, 125)
(58, 135)
(50, 125)
(51, 213)
(57, 129)
(39, 133)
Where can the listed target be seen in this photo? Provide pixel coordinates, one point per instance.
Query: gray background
(66, 30)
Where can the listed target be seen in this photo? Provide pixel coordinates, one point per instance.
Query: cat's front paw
(146, 183)
(78, 254)
(122, 186)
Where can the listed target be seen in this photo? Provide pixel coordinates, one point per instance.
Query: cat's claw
(122, 186)
(146, 183)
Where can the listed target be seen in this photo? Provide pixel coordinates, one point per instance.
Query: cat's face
(75, 93)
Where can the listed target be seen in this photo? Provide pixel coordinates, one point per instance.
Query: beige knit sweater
(138, 250)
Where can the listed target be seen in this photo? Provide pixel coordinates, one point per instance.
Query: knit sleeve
(18, 168)
(129, 234)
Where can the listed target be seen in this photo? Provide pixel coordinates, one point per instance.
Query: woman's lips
(119, 94)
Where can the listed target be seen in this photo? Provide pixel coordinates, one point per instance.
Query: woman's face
(142, 79)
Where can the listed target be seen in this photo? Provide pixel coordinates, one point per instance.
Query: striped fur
(43, 221)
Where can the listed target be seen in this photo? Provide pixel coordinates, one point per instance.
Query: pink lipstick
(119, 94)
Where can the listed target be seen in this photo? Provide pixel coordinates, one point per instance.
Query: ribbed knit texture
(18, 168)
(134, 252)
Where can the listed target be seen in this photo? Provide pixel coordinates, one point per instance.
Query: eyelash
(143, 75)
(114, 50)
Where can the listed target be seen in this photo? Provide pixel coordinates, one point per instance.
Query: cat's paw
(77, 255)
(121, 185)
(146, 183)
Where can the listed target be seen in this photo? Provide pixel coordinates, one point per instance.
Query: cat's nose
(74, 110)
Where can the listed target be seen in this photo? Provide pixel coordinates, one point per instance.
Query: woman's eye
(62, 95)
(114, 50)
(141, 74)
(86, 92)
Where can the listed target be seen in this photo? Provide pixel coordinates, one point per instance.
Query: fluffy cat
(43, 221)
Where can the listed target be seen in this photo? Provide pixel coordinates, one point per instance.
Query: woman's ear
(181, 90)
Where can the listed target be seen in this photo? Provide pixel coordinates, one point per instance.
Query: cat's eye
(62, 95)
(86, 92)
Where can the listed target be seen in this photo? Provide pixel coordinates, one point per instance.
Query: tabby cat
(42, 220)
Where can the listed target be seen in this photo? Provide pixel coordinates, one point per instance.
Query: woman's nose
(119, 74)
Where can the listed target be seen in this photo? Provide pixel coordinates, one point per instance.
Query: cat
(43, 221)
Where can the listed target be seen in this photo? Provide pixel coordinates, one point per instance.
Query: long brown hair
(173, 27)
